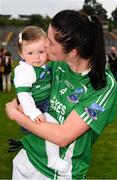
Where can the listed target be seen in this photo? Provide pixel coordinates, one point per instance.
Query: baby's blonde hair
(29, 34)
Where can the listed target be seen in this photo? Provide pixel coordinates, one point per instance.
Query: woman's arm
(61, 135)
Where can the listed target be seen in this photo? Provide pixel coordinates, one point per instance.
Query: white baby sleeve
(25, 77)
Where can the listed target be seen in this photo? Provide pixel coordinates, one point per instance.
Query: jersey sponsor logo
(60, 68)
(68, 84)
(63, 91)
(75, 96)
(57, 106)
(94, 110)
(46, 87)
(43, 88)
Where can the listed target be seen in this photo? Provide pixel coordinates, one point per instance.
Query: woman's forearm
(50, 131)
(60, 134)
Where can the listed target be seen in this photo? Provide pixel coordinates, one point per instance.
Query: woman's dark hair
(74, 29)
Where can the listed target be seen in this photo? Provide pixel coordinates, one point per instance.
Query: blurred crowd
(112, 60)
(6, 67)
(5, 70)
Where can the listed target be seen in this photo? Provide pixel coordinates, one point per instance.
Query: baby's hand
(40, 118)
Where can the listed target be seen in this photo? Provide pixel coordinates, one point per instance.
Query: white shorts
(23, 169)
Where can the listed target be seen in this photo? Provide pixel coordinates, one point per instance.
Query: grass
(104, 159)
(8, 129)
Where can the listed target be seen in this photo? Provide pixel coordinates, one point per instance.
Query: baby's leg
(54, 160)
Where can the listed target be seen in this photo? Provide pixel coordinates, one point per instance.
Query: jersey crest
(75, 96)
(94, 110)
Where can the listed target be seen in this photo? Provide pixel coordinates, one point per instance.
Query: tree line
(91, 7)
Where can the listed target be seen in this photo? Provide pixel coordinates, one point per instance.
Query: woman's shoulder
(110, 76)
(111, 83)
(23, 67)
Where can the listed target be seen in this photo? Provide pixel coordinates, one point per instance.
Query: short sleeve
(98, 108)
(24, 75)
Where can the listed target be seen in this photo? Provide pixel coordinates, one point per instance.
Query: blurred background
(14, 16)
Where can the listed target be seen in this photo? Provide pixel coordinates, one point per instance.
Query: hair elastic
(20, 37)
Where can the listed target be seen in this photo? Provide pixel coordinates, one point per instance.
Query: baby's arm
(24, 78)
(29, 107)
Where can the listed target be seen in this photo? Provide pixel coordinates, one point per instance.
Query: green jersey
(33, 80)
(73, 91)
(41, 88)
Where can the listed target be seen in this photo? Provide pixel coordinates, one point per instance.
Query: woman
(6, 75)
(2, 56)
(82, 97)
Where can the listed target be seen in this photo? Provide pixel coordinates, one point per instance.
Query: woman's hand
(14, 112)
(11, 109)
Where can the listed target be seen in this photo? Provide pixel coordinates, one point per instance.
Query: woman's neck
(79, 66)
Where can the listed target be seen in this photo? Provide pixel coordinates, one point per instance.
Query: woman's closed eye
(30, 53)
(41, 52)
